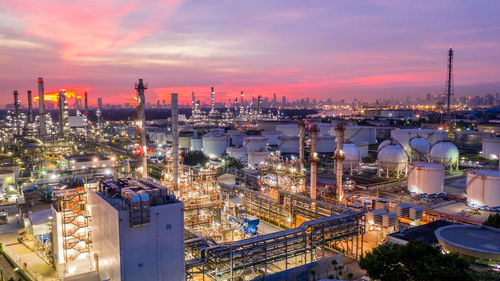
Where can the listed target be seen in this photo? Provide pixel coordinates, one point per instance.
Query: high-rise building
(99, 103)
(283, 101)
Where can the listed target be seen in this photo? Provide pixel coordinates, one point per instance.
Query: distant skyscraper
(99, 103)
(283, 101)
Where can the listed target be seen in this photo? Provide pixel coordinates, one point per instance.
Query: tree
(231, 162)
(193, 158)
(493, 220)
(417, 261)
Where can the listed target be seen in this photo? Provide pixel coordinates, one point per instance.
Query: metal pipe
(30, 107)
(175, 139)
(41, 106)
(339, 157)
(140, 126)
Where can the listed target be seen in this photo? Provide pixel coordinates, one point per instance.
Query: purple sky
(320, 49)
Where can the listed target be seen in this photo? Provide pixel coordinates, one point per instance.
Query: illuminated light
(53, 176)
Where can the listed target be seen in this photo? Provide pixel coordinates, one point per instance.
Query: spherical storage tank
(288, 144)
(392, 159)
(445, 152)
(255, 143)
(425, 178)
(272, 137)
(325, 144)
(383, 144)
(257, 158)
(491, 148)
(239, 153)
(352, 157)
(483, 189)
(288, 129)
(420, 145)
(404, 136)
(214, 145)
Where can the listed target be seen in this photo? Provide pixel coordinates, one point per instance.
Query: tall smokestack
(302, 131)
(212, 100)
(313, 158)
(30, 107)
(175, 140)
(41, 107)
(141, 124)
(61, 113)
(339, 157)
(86, 104)
(17, 112)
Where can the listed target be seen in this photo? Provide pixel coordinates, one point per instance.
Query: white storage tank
(288, 144)
(288, 129)
(446, 153)
(470, 139)
(239, 153)
(425, 178)
(236, 137)
(352, 157)
(272, 137)
(255, 143)
(214, 145)
(363, 147)
(324, 128)
(184, 142)
(420, 147)
(404, 136)
(383, 144)
(358, 134)
(392, 159)
(483, 189)
(257, 158)
(325, 144)
(196, 144)
(491, 148)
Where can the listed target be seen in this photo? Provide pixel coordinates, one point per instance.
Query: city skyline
(337, 50)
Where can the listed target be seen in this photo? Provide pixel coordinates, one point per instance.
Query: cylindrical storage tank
(352, 156)
(445, 152)
(420, 145)
(236, 137)
(491, 148)
(288, 144)
(470, 139)
(425, 178)
(257, 158)
(392, 158)
(239, 153)
(403, 136)
(325, 144)
(288, 129)
(214, 145)
(184, 142)
(255, 143)
(483, 189)
(324, 128)
(358, 134)
(272, 137)
(363, 147)
(196, 144)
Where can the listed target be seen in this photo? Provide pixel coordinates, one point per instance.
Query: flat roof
(476, 238)
(424, 232)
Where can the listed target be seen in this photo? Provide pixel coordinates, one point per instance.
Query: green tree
(231, 162)
(493, 220)
(416, 261)
(193, 158)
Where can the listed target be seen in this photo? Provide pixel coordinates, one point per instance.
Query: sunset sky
(317, 49)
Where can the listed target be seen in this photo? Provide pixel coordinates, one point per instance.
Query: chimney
(313, 158)
(339, 157)
(141, 127)
(86, 104)
(175, 139)
(41, 107)
(61, 113)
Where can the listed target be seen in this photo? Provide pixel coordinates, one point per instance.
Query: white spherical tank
(420, 145)
(352, 156)
(257, 158)
(288, 144)
(239, 153)
(184, 142)
(255, 143)
(272, 137)
(425, 178)
(383, 144)
(491, 148)
(325, 144)
(392, 158)
(483, 189)
(358, 134)
(214, 145)
(236, 137)
(444, 152)
(196, 144)
(403, 136)
(288, 129)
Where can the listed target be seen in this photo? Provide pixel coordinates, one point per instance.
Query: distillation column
(175, 140)
(141, 125)
(30, 107)
(302, 131)
(41, 107)
(314, 159)
(17, 113)
(339, 157)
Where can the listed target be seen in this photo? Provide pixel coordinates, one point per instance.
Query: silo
(491, 148)
(257, 158)
(272, 137)
(288, 129)
(214, 145)
(425, 178)
(392, 159)
(288, 144)
(239, 153)
(325, 144)
(483, 189)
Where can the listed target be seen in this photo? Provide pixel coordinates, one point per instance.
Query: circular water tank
(272, 137)
(257, 158)
(383, 144)
(196, 144)
(491, 148)
(239, 153)
(420, 145)
(392, 158)
(425, 178)
(444, 152)
(288, 129)
(352, 156)
(325, 144)
(184, 142)
(255, 143)
(483, 188)
(288, 144)
(214, 145)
